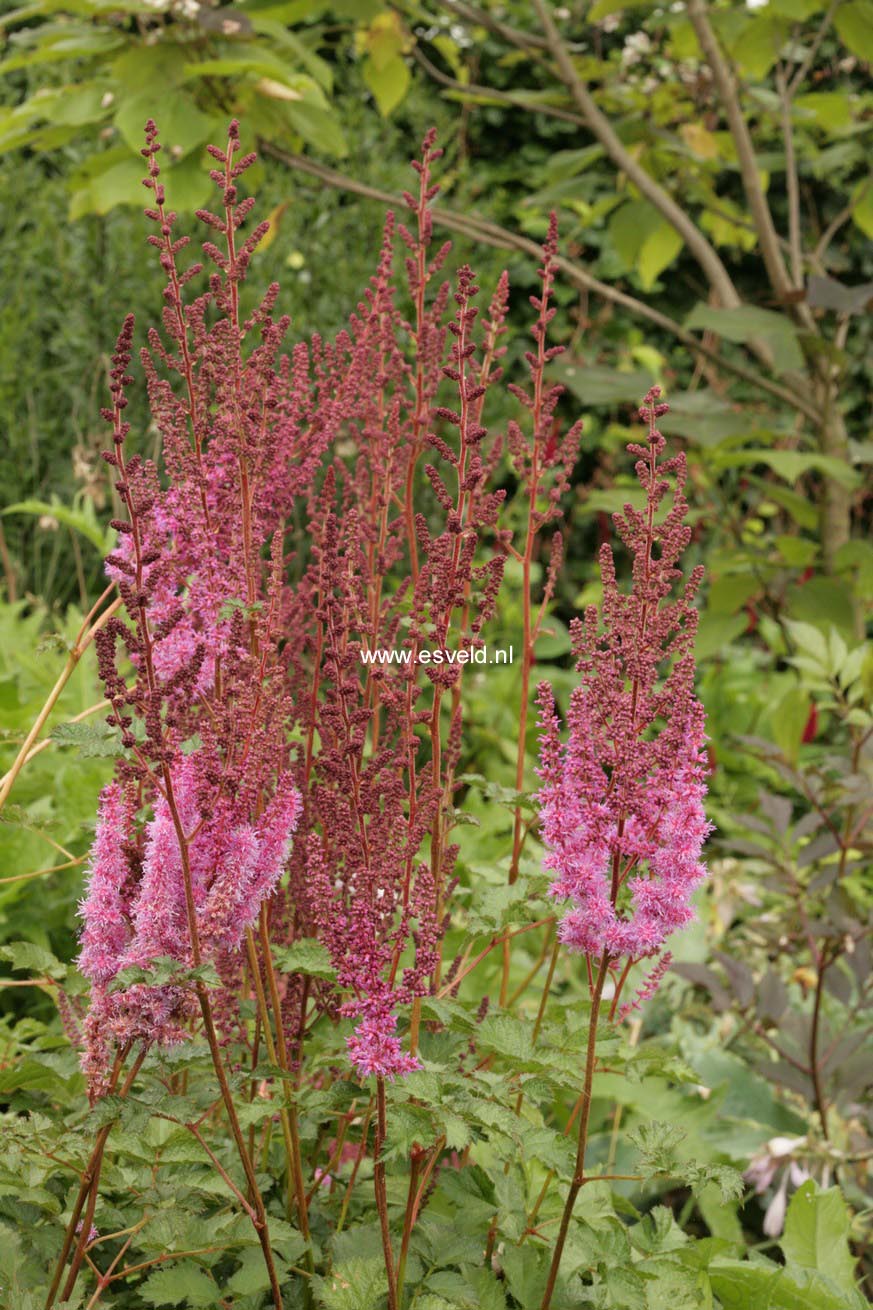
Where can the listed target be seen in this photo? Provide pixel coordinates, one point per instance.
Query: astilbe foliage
(621, 801)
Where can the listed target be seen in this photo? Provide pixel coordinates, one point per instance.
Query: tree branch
(472, 91)
(482, 18)
(727, 91)
(492, 234)
(806, 62)
(600, 127)
(792, 186)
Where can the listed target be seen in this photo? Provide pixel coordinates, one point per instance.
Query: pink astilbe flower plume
(106, 929)
(621, 803)
(193, 837)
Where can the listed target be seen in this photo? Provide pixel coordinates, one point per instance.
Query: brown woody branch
(494, 235)
(601, 128)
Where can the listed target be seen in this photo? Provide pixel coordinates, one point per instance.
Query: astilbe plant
(543, 462)
(379, 783)
(193, 836)
(621, 801)
(249, 686)
(257, 706)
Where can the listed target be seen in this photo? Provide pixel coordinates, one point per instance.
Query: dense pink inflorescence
(622, 800)
(250, 711)
(193, 837)
(381, 778)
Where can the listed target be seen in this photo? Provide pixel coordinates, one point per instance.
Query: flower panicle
(622, 799)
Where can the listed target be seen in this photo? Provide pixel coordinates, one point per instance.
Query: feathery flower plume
(622, 801)
(199, 567)
(379, 782)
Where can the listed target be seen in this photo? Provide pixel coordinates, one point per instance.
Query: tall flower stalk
(543, 463)
(621, 803)
(381, 755)
(199, 571)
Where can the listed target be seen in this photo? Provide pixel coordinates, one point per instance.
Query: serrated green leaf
(90, 739)
(740, 1285)
(181, 1284)
(308, 956)
(36, 959)
(353, 1285)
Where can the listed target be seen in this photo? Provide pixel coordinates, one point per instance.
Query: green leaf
(488, 1292)
(595, 385)
(388, 83)
(90, 739)
(104, 181)
(318, 127)
(509, 1037)
(36, 959)
(140, 67)
(790, 464)
(629, 227)
(749, 321)
(525, 1268)
(181, 125)
(788, 719)
(801, 508)
(822, 600)
(279, 34)
(798, 552)
(854, 24)
(730, 592)
(830, 109)
(163, 970)
(743, 1286)
(758, 47)
(80, 516)
(79, 105)
(817, 1234)
(182, 1284)
(75, 43)
(251, 1276)
(307, 955)
(353, 1285)
(657, 252)
(715, 632)
(862, 213)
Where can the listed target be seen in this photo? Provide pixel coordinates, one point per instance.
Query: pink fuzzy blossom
(621, 804)
(193, 837)
(106, 931)
(374, 1049)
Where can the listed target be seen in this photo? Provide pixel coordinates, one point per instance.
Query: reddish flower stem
(381, 1194)
(579, 1178)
